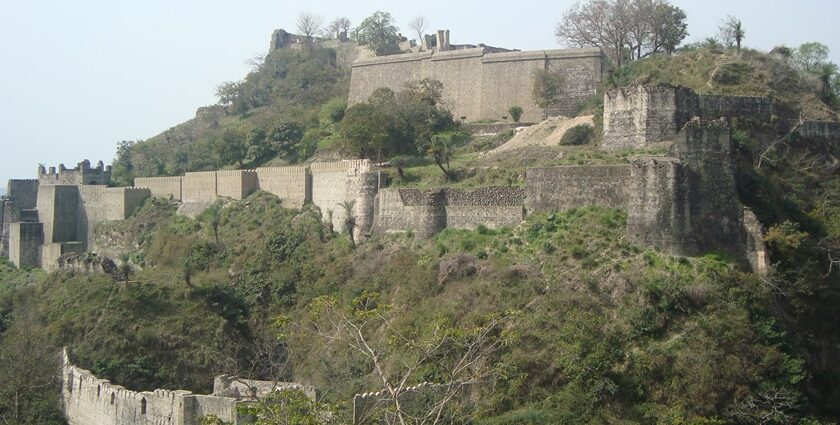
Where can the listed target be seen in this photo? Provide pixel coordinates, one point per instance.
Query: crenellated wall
(481, 85)
(88, 400)
(290, 184)
(336, 183)
(162, 187)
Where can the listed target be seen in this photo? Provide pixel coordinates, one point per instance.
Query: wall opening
(112, 398)
(98, 390)
(70, 383)
(143, 406)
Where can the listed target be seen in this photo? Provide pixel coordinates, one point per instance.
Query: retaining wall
(290, 184)
(162, 187)
(561, 188)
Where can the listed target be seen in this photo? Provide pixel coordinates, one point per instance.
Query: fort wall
(561, 188)
(236, 184)
(290, 184)
(820, 129)
(199, 187)
(162, 187)
(25, 241)
(334, 183)
(639, 116)
(24, 193)
(481, 85)
(426, 212)
(81, 174)
(88, 400)
(658, 212)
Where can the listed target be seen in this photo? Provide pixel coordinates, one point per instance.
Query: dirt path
(546, 133)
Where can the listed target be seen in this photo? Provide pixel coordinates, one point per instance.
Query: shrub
(578, 135)
(333, 111)
(515, 112)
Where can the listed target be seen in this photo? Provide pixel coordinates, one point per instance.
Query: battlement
(90, 400)
(81, 174)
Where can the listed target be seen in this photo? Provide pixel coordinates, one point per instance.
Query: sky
(78, 77)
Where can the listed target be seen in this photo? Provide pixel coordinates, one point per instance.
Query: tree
(339, 29)
(731, 33)
(123, 168)
(440, 150)
(418, 25)
(379, 32)
(288, 407)
(231, 147)
(309, 24)
(125, 268)
(259, 146)
(547, 88)
(461, 357)
(31, 373)
(365, 130)
(284, 136)
(349, 219)
(214, 219)
(668, 27)
(515, 112)
(625, 29)
(809, 55)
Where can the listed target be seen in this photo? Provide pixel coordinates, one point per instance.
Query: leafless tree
(419, 25)
(731, 33)
(625, 29)
(463, 355)
(309, 24)
(775, 406)
(339, 29)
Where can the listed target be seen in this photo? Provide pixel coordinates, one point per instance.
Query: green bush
(515, 112)
(578, 135)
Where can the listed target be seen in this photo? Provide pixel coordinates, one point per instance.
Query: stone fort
(683, 203)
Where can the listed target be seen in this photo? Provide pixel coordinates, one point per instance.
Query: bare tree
(339, 29)
(463, 355)
(419, 25)
(731, 33)
(625, 29)
(309, 24)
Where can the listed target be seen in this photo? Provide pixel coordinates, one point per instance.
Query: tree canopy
(379, 32)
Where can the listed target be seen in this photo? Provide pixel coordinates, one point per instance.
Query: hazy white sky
(79, 76)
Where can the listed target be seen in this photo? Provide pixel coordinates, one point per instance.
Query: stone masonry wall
(200, 187)
(426, 212)
(162, 187)
(24, 193)
(480, 85)
(237, 184)
(25, 241)
(638, 116)
(290, 184)
(88, 400)
(658, 212)
(561, 188)
(334, 183)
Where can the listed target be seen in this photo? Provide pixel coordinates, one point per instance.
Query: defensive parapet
(478, 84)
(88, 400)
(81, 174)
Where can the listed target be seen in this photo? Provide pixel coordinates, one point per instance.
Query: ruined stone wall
(426, 212)
(162, 187)
(638, 116)
(290, 184)
(820, 129)
(561, 188)
(716, 215)
(25, 241)
(480, 85)
(81, 174)
(658, 213)
(89, 400)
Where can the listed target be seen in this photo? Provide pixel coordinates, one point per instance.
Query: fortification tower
(82, 174)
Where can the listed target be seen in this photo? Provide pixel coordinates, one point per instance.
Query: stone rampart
(561, 188)
(25, 241)
(290, 184)
(199, 187)
(24, 193)
(639, 116)
(658, 212)
(236, 184)
(820, 129)
(426, 212)
(336, 183)
(481, 85)
(81, 174)
(162, 187)
(88, 400)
